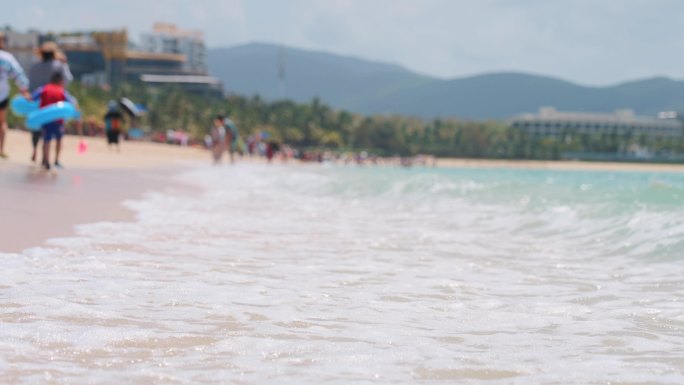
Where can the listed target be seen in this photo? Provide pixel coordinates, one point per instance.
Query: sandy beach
(37, 205)
(330, 274)
(133, 155)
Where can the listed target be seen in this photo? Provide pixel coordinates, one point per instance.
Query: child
(49, 94)
(113, 124)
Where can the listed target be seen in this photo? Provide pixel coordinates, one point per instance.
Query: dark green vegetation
(376, 88)
(316, 125)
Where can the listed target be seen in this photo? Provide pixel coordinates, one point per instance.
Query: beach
(341, 192)
(133, 156)
(170, 270)
(42, 204)
(38, 205)
(334, 275)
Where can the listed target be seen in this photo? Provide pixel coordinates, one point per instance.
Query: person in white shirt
(9, 69)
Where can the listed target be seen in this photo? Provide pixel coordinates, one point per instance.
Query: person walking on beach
(49, 94)
(232, 137)
(218, 139)
(9, 69)
(40, 75)
(113, 125)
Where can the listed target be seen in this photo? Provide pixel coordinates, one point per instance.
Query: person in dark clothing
(113, 124)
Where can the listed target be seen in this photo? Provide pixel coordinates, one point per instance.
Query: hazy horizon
(594, 43)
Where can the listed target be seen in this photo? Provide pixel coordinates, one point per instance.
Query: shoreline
(38, 205)
(559, 165)
(133, 155)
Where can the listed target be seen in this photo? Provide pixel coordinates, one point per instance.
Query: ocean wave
(338, 275)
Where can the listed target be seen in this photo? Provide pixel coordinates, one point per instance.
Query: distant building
(108, 57)
(169, 39)
(23, 46)
(88, 61)
(192, 83)
(167, 56)
(549, 122)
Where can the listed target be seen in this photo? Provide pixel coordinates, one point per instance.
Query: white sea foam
(344, 275)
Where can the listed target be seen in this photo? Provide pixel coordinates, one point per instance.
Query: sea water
(341, 275)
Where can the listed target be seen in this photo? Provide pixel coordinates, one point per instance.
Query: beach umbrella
(130, 107)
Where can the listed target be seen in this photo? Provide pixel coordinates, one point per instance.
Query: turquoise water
(339, 275)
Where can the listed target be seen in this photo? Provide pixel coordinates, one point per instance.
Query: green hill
(343, 82)
(368, 87)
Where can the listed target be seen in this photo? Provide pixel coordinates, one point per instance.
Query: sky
(590, 42)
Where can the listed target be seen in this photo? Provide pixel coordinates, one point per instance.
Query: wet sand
(36, 204)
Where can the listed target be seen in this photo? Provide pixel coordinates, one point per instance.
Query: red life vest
(52, 93)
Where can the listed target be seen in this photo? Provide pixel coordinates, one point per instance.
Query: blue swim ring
(22, 106)
(51, 113)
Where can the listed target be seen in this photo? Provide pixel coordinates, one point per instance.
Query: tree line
(315, 125)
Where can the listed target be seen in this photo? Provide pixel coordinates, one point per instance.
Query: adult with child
(50, 94)
(52, 61)
(9, 69)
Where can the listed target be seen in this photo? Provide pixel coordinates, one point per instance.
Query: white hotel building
(168, 39)
(549, 122)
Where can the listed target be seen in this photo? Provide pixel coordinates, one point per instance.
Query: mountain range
(369, 87)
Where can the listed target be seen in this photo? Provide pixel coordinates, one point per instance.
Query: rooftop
(180, 79)
(173, 31)
(155, 56)
(619, 116)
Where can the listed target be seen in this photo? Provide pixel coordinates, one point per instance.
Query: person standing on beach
(9, 69)
(232, 137)
(218, 139)
(113, 125)
(41, 73)
(50, 94)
